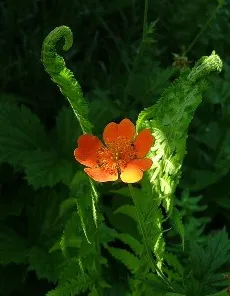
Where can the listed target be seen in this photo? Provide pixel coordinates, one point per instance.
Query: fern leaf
(128, 259)
(85, 193)
(72, 286)
(128, 210)
(70, 271)
(177, 222)
(71, 236)
(134, 244)
(93, 292)
(173, 261)
(67, 205)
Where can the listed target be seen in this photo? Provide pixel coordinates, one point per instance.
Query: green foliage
(47, 266)
(126, 258)
(12, 247)
(145, 78)
(205, 262)
(172, 115)
(176, 221)
(22, 133)
(55, 66)
(189, 206)
(72, 287)
(27, 145)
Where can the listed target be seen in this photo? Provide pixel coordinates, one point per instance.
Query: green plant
(88, 239)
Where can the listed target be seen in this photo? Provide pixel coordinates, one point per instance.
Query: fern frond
(128, 259)
(55, 66)
(169, 119)
(176, 221)
(67, 205)
(72, 286)
(173, 261)
(128, 210)
(85, 194)
(134, 244)
(72, 233)
(70, 271)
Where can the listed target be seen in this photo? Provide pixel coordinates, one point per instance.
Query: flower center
(116, 155)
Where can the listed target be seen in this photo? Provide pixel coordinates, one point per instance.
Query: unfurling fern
(168, 120)
(55, 65)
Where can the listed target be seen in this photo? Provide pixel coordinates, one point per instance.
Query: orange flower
(121, 156)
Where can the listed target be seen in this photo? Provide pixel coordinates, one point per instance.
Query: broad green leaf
(47, 265)
(21, 132)
(46, 168)
(13, 247)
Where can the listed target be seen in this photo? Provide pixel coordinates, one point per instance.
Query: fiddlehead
(55, 66)
(169, 120)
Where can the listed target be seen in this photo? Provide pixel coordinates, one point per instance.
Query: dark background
(107, 36)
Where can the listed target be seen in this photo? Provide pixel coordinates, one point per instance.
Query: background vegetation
(120, 74)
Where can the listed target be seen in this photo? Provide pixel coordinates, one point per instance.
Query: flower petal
(131, 174)
(126, 129)
(86, 153)
(110, 133)
(100, 175)
(143, 142)
(144, 164)
(113, 130)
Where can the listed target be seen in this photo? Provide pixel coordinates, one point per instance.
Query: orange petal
(110, 133)
(100, 175)
(144, 164)
(131, 174)
(124, 129)
(86, 153)
(143, 142)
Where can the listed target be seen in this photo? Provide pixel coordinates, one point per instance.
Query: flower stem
(145, 23)
(203, 29)
(145, 239)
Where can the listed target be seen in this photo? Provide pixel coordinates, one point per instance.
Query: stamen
(117, 155)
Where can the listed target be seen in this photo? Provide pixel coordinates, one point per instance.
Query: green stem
(145, 24)
(145, 239)
(202, 30)
(145, 31)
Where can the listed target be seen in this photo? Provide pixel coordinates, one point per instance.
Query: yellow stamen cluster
(116, 155)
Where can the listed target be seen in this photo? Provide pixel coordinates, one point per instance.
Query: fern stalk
(203, 28)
